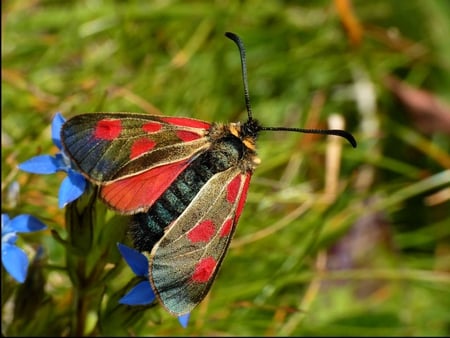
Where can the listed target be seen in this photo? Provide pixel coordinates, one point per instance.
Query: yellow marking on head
(249, 143)
(235, 129)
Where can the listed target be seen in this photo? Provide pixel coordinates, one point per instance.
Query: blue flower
(74, 184)
(142, 293)
(14, 259)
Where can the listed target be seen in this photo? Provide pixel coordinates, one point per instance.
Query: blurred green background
(333, 240)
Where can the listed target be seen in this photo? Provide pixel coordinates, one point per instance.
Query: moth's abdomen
(147, 228)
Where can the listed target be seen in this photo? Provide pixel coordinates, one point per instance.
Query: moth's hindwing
(184, 263)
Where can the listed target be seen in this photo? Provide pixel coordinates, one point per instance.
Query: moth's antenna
(337, 132)
(255, 126)
(240, 45)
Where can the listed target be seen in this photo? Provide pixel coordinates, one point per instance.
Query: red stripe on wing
(242, 198)
(186, 122)
(226, 228)
(187, 136)
(137, 193)
(233, 189)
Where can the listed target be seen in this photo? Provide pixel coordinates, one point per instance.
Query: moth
(184, 181)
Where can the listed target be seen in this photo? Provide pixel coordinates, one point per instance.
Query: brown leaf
(427, 112)
(349, 21)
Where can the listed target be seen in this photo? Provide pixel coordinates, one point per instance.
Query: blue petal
(71, 188)
(5, 220)
(43, 164)
(62, 162)
(9, 238)
(6, 226)
(137, 261)
(184, 319)
(26, 223)
(57, 123)
(15, 262)
(141, 294)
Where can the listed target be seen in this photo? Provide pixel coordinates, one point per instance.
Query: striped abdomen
(148, 227)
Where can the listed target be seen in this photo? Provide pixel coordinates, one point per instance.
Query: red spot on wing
(226, 228)
(141, 146)
(242, 198)
(108, 129)
(186, 122)
(139, 192)
(204, 270)
(151, 127)
(202, 232)
(233, 189)
(187, 136)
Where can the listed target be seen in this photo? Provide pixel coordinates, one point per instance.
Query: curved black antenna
(337, 132)
(240, 45)
(254, 126)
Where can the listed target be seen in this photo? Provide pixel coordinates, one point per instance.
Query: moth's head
(247, 132)
(241, 137)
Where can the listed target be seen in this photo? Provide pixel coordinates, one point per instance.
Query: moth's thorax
(232, 134)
